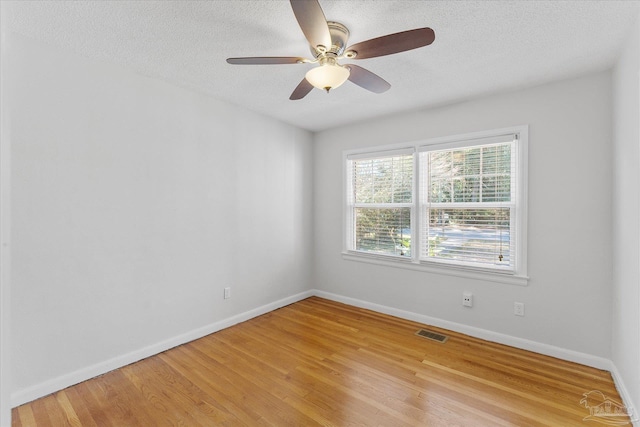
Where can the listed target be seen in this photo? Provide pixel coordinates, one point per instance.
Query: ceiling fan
(327, 40)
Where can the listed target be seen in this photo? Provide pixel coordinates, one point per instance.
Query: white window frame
(517, 277)
(352, 205)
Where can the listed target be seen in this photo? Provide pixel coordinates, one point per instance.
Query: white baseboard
(549, 350)
(39, 390)
(29, 394)
(624, 395)
(537, 347)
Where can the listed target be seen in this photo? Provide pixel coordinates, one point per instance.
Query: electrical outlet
(227, 293)
(467, 299)
(518, 308)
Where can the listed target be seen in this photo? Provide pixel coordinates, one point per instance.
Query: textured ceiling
(480, 47)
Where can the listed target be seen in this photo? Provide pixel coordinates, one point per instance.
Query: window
(381, 201)
(456, 204)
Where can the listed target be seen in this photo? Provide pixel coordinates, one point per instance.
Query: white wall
(134, 203)
(5, 369)
(626, 217)
(568, 299)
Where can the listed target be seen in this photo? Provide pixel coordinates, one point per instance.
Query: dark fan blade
(264, 60)
(312, 22)
(301, 90)
(393, 43)
(366, 79)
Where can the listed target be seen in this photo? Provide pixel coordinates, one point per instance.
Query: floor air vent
(432, 335)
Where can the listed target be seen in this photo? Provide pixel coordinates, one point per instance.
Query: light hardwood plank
(318, 362)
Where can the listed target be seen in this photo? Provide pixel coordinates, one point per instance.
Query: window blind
(380, 203)
(468, 199)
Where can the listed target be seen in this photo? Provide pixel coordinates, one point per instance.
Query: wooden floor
(318, 362)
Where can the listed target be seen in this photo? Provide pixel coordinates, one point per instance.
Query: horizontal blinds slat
(495, 139)
(382, 205)
(464, 205)
(383, 179)
(379, 154)
(386, 231)
(480, 236)
(478, 174)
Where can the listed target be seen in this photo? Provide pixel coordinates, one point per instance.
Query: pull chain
(500, 257)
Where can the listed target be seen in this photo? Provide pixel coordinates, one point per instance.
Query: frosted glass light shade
(327, 76)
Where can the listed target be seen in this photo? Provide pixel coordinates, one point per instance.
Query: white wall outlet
(227, 293)
(467, 299)
(518, 308)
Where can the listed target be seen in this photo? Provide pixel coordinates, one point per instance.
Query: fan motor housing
(339, 36)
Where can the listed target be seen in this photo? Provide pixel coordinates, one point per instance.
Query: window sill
(468, 273)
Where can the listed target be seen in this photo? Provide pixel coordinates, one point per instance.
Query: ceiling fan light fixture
(328, 44)
(327, 76)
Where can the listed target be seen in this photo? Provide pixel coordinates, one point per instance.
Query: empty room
(320, 212)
